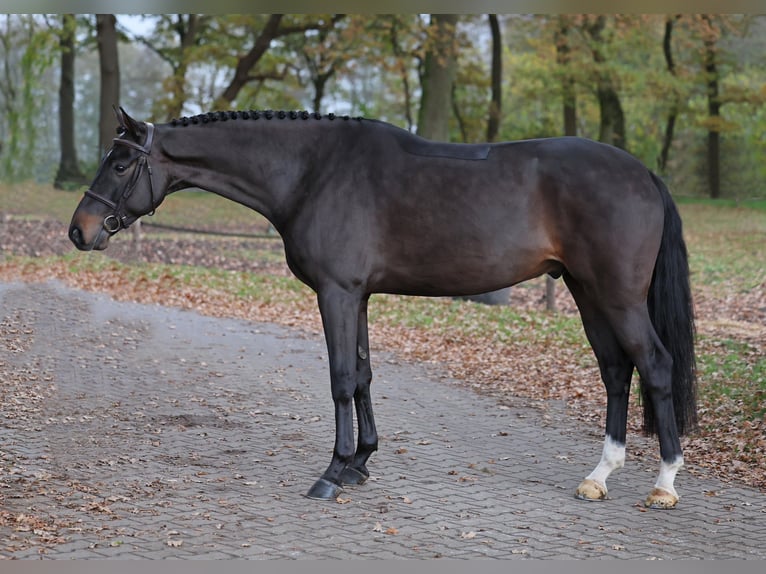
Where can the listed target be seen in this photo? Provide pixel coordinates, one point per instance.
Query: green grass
(726, 245)
(758, 204)
(735, 370)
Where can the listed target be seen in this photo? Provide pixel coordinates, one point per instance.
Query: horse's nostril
(75, 235)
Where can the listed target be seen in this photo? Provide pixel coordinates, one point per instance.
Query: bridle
(119, 218)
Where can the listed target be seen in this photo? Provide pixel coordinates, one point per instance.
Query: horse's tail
(672, 313)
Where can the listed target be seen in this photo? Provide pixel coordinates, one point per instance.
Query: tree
(569, 96)
(709, 39)
(273, 29)
(612, 123)
(670, 123)
(69, 172)
(28, 48)
(176, 39)
(438, 78)
(496, 103)
(106, 37)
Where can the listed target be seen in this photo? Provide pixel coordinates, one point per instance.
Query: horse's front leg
(340, 316)
(367, 441)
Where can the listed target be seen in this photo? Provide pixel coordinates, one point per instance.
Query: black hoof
(353, 476)
(324, 490)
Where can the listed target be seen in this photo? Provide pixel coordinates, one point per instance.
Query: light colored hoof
(661, 499)
(591, 490)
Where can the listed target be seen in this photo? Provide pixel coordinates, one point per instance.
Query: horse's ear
(127, 124)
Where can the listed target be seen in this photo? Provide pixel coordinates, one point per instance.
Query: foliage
(28, 44)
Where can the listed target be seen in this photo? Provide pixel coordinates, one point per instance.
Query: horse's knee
(343, 388)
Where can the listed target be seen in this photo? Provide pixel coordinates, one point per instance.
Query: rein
(119, 219)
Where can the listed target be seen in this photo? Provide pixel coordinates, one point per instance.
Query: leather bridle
(119, 218)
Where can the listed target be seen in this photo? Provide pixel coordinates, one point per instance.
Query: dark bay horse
(365, 207)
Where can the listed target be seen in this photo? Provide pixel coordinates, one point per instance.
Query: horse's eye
(119, 168)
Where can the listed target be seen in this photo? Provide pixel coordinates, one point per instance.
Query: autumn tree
(496, 73)
(612, 123)
(178, 39)
(28, 48)
(670, 122)
(275, 27)
(438, 78)
(69, 172)
(563, 60)
(109, 65)
(710, 35)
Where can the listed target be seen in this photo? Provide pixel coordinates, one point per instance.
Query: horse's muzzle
(98, 243)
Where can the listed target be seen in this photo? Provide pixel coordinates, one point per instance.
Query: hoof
(324, 490)
(353, 476)
(591, 490)
(661, 499)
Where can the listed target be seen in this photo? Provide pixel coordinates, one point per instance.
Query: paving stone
(165, 434)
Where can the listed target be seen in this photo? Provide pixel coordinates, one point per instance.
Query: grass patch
(759, 204)
(735, 371)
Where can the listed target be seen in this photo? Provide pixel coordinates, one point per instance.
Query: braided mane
(256, 115)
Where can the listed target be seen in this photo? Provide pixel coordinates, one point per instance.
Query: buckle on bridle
(111, 224)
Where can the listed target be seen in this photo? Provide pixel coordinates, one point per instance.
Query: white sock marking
(612, 458)
(668, 471)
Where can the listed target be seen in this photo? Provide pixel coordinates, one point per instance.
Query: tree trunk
(438, 78)
(402, 68)
(569, 96)
(495, 106)
(612, 120)
(68, 174)
(106, 32)
(670, 123)
(714, 112)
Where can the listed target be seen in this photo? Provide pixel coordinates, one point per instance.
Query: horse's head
(123, 190)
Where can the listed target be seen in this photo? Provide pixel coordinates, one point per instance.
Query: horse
(364, 207)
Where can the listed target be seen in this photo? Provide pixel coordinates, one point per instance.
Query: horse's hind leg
(637, 336)
(635, 332)
(367, 441)
(616, 372)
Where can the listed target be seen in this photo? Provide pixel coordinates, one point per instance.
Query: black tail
(672, 313)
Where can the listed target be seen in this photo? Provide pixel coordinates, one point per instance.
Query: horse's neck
(243, 163)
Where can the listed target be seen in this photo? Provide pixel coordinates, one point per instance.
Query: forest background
(684, 93)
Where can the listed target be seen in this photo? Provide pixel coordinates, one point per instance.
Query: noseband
(119, 219)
